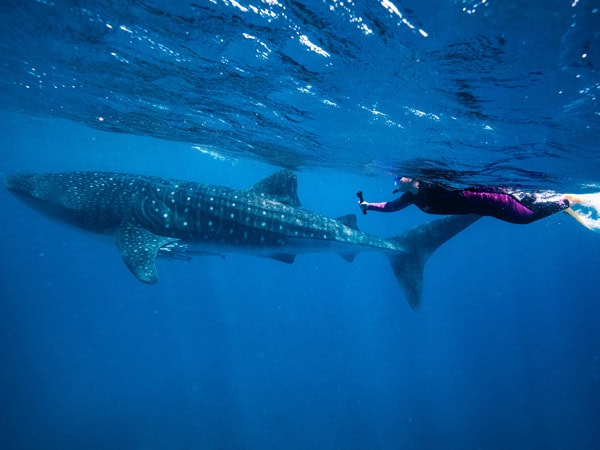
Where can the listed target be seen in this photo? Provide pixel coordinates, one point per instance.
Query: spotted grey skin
(147, 214)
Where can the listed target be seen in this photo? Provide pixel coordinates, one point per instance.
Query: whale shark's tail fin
(419, 243)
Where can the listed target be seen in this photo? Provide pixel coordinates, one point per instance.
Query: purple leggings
(508, 208)
(484, 202)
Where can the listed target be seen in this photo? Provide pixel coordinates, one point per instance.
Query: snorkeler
(485, 201)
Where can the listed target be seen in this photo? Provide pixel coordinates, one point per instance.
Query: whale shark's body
(150, 216)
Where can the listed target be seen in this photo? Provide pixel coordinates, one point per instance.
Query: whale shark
(151, 217)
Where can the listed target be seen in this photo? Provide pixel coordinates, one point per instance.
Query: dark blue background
(250, 353)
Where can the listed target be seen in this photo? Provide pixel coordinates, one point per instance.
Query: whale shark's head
(40, 191)
(31, 187)
(65, 196)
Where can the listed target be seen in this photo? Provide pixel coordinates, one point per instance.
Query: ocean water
(249, 353)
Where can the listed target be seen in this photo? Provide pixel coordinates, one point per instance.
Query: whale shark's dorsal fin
(349, 220)
(138, 248)
(281, 186)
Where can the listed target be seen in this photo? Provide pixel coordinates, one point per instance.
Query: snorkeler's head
(406, 184)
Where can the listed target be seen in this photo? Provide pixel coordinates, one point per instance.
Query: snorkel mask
(396, 185)
(405, 184)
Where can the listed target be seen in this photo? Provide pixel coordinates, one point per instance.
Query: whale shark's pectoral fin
(138, 248)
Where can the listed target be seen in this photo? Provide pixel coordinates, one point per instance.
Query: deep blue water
(249, 353)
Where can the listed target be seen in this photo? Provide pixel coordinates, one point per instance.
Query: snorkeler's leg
(585, 208)
(578, 218)
(587, 199)
(573, 198)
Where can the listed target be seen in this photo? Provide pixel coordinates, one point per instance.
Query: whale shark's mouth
(40, 196)
(24, 184)
(12, 182)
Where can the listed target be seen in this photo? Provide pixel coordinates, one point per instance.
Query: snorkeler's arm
(395, 205)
